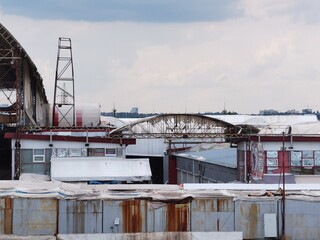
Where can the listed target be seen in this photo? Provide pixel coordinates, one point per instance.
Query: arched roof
(174, 126)
(11, 51)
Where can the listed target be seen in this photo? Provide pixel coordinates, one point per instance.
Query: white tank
(87, 115)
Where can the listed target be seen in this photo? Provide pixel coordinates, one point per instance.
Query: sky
(177, 56)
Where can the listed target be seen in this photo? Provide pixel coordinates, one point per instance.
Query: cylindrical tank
(86, 115)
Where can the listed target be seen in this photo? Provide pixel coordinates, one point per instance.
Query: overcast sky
(177, 55)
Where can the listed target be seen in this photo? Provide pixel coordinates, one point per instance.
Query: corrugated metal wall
(80, 216)
(249, 216)
(212, 214)
(34, 216)
(198, 171)
(29, 216)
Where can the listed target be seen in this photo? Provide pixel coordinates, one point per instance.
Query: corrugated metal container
(212, 214)
(302, 219)
(34, 216)
(80, 216)
(249, 215)
(127, 216)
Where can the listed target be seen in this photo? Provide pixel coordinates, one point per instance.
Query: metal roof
(224, 157)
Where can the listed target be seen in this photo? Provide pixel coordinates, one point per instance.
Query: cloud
(248, 63)
(276, 49)
(162, 11)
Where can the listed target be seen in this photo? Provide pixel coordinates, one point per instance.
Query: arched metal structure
(22, 95)
(174, 126)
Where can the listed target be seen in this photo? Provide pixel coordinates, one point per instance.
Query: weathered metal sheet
(127, 216)
(249, 216)
(302, 219)
(155, 236)
(212, 214)
(169, 216)
(6, 215)
(80, 216)
(34, 216)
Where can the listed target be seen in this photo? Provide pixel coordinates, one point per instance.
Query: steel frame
(64, 99)
(174, 126)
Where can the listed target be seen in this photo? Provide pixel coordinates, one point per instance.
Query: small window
(307, 154)
(307, 158)
(110, 152)
(317, 158)
(296, 158)
(307, 162)
(38, 155)
(96, 152)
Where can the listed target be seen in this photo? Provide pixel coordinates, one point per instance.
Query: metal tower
(64, 99)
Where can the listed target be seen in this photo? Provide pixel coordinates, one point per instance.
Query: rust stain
(252, 220)
(223, 204)
(131, 215)
(8, 216)
(200, 205)
(178, 217)
(79, 216)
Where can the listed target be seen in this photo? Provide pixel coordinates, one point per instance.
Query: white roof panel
(100, 169)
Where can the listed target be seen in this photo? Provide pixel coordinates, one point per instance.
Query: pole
(283, 190)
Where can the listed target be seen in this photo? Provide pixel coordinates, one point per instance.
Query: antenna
(114, 110)
(64, 100)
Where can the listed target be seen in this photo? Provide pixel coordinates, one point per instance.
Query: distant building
(268, 112)
(292, 111)
(307, 111)
(134, 110)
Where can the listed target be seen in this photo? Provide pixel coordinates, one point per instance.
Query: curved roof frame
(16, 67)
(174, 126)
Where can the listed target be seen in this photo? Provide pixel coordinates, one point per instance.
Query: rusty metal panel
(157, 214)
(127, 216)
(6, 215)
(80, 216)
(34, 216)
(169, 216)
(155, 236)
(249, 216)
(212, 214)
(178, 217)
(302, 219)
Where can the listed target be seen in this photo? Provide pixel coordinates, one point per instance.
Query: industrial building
(70, 142)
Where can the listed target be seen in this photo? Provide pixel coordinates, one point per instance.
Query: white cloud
(256, 62)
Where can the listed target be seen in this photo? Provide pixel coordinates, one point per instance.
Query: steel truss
(64, 95)
(177, 126)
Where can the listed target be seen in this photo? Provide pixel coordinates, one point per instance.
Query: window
(272, 161)
(38, 155)
(69, 152)
(317, 158)
(307, 158)
(111, 152)
(295, 158)
(96, 152)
